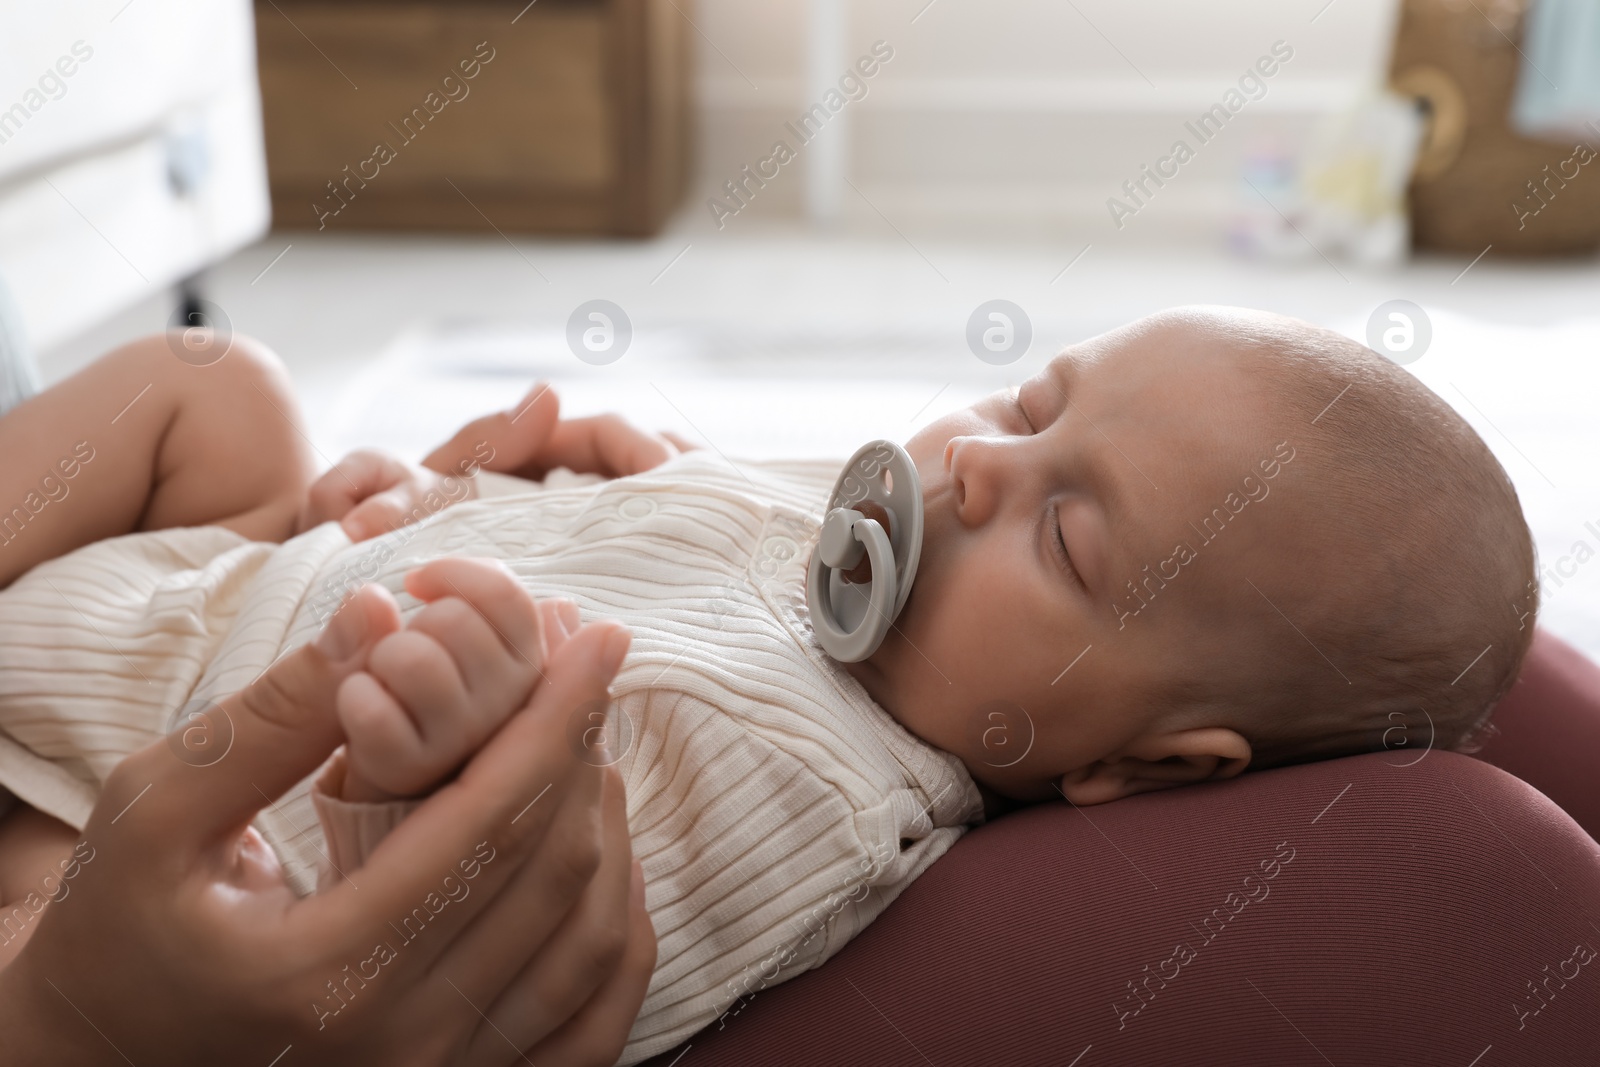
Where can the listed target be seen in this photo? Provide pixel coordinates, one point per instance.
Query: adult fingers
(680, 442)
(498, 806)
(598, 1033)
(502, 441)
(576, 959)
(381, 512)
(604, 444)
(211, 776)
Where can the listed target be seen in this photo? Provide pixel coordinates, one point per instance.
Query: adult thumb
(242, 753)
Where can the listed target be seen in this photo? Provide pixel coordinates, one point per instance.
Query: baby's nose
(976, 470)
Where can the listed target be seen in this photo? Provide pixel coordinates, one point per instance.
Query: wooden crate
(570, 117)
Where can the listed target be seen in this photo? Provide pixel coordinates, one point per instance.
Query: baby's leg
(141, 440)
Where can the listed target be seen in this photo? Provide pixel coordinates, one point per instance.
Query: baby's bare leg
(141, 440)
(34, 852)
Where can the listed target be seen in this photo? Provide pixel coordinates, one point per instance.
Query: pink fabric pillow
(1547, 729)
(1355, 911)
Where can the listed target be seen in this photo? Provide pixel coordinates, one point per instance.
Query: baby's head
(1208, 540)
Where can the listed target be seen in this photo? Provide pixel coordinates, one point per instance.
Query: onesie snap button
(636, 508)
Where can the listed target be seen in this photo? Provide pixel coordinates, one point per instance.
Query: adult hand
(370, 492)
(181, 943)
(531, 439)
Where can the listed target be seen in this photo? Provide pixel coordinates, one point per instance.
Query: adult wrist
(41, 1025)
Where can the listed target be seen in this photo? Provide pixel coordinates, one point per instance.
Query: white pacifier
(853, 606)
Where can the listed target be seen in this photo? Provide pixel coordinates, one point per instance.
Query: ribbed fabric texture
(768, 797)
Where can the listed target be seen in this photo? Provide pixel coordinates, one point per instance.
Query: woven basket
(1478, 183)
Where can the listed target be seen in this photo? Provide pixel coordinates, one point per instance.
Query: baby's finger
(380, 737)
(494, 591)
(498, 800)
(496, 678)
(424, 678)
(349, 481)
(381, 512)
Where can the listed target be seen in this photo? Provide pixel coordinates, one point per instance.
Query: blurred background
(786, 228)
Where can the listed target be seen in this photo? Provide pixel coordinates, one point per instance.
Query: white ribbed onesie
(775, 809)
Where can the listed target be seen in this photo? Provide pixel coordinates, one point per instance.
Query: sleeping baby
(1208, 541)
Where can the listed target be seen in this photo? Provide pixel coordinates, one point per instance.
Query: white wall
(1021, 114)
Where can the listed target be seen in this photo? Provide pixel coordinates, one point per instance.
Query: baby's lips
(861, 573)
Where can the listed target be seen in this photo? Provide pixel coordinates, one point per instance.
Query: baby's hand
(434, 692)
(370, 492)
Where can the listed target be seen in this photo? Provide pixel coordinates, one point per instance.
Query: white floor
(781, 341)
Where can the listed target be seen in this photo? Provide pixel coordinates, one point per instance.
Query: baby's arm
(431, 696)
(142, 440)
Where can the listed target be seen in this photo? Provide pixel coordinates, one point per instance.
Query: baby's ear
(1159, 761)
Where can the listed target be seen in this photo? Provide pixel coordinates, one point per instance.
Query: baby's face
(1042, 505)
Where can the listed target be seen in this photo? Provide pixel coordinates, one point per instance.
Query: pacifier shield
(873, 529)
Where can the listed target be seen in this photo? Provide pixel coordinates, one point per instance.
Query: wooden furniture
(1478, 182)
(561, 116)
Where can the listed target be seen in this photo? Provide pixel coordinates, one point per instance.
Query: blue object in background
(1558, 86)
(18, 378)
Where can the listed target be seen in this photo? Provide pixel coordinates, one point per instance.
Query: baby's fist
(434, 692)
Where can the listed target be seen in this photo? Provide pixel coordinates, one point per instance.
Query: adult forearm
(41, 1026)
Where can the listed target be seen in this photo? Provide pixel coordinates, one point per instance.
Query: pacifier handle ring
(853, 646)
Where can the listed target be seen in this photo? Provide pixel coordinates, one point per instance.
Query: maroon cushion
(1547, 729)
(1363, 910)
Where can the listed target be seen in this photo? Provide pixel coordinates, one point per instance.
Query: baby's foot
(434, 692)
